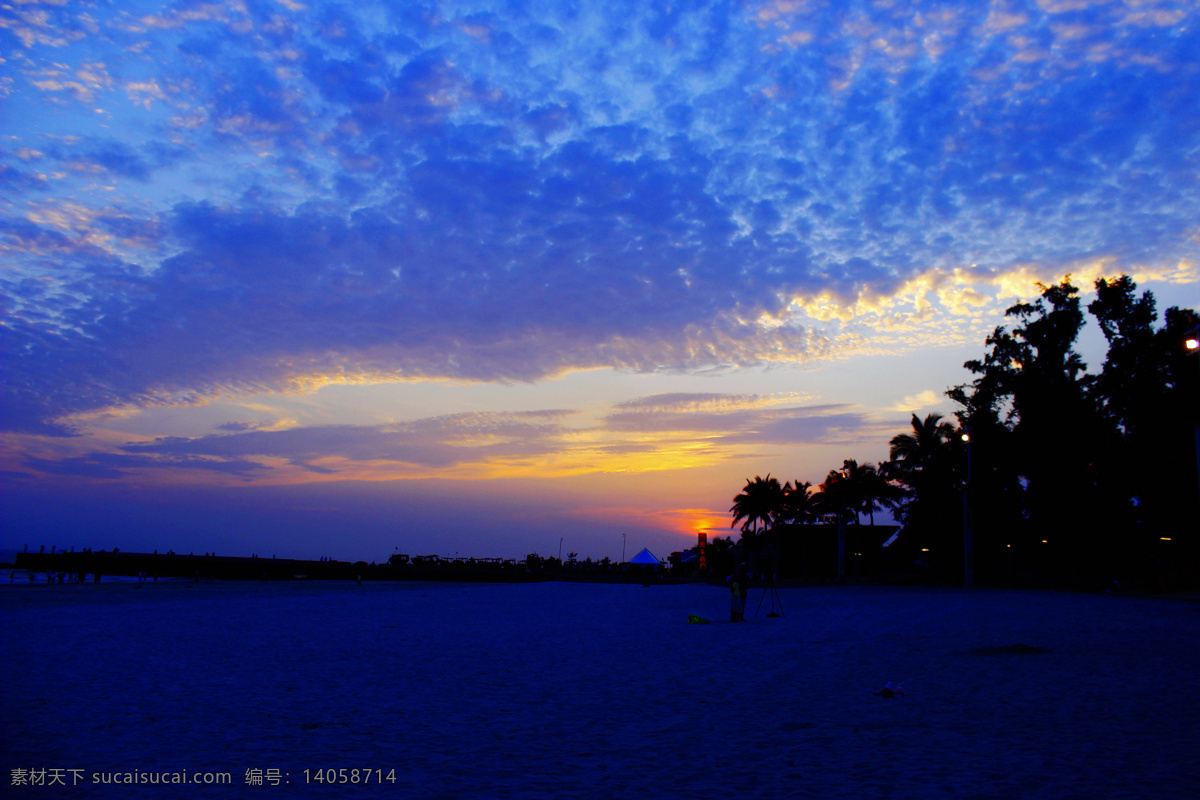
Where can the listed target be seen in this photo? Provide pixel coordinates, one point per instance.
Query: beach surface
(556, 690)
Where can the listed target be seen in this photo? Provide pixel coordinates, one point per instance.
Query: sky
(493, 278)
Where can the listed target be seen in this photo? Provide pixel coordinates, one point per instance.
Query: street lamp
(1191, 342)
(841, 526)
(968, 523)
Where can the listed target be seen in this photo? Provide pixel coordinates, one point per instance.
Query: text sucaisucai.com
(75, 777)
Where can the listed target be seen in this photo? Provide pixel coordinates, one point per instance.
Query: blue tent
(645, 557)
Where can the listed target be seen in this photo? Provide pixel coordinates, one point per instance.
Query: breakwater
(212, 567)
(153, 566)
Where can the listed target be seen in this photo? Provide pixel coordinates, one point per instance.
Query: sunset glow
(325, 276)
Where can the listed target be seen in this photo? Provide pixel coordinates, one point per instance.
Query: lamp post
(1191, 343)
(623, 548)
(968, 533)
(842, 527)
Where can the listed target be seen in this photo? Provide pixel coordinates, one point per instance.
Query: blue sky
(334, 278)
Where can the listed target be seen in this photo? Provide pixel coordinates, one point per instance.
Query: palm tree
(924, 447)
(873, 487)
(760, 504)
(720, 555)
(923, 461)
(863, 489)
(835, 498)
(828, 498)
(799, 503)
(801, 506)
(892, 492)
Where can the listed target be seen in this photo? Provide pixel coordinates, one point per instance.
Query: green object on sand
(696, 619)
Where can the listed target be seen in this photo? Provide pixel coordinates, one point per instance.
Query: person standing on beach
(735, 599)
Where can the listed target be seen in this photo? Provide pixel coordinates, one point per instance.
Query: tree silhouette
(923, 451)
(866, 491)
(1066, 473)
(1147, 394)
(1075, 466)
(833, 498)
(923, 462)
(889, 488)
(720, 555)
(799, 503)
(758, 507)
(801, 506)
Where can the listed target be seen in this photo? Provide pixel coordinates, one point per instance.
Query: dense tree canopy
(1072, 467)
(1063, 475)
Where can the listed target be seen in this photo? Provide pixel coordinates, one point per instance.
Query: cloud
(725, 421)
(437, 442)
(238, 427)
(660, 432)
(916, 402)
(359, 193)
(678, 402)
(117, 465)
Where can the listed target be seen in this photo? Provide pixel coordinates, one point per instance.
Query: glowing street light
(1191, 340)
(1191, 343)
(968, 533)
(841, 550)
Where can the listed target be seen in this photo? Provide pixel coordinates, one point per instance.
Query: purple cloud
(434, 442)
(363, 190)
(118, 465)
(737, 419)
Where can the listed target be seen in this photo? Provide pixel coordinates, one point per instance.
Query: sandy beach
(600, 691)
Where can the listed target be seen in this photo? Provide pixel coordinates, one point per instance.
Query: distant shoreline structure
(153, 566)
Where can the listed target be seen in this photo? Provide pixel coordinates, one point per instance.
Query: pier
(154, 566)
(212, 567)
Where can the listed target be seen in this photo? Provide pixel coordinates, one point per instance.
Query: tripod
(774, 592)
(770, 587)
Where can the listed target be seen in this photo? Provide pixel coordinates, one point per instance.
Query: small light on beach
(1008, 545)
(1192, 344)
(1045, 541)
(924, 549)
(966, 437)
(1164, 538)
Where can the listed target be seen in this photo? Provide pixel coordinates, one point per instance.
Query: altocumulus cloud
(291, 195)
(729, 419)
(571, 440)
(432, 443)
(119, 465)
